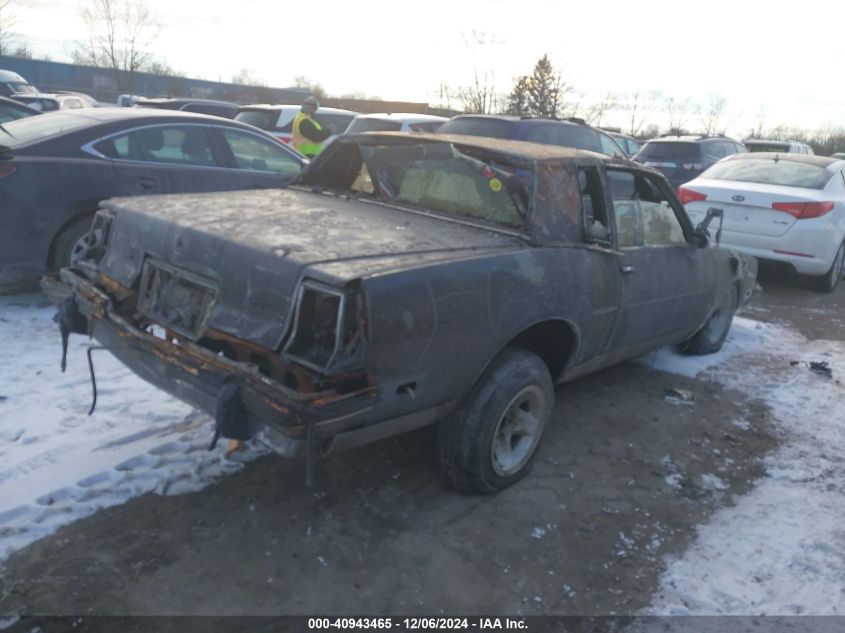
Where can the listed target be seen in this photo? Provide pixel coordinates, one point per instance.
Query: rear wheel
(829, 281)
(64, 244)
(710, 338)
(491, 440)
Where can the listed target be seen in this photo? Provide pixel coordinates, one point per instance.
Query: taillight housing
(7, 170)
(804, 210)
(688, 195)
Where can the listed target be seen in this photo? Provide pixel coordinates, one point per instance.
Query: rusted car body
(346, 309)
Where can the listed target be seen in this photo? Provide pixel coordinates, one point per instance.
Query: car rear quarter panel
(32, 214)
(438, 327)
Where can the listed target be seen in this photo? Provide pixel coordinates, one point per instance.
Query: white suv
(278, 119)
(787, 147)
(395, 122)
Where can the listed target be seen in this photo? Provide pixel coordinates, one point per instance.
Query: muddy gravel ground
(586, 533)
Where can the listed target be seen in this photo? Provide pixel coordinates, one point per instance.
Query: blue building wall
(104, 85)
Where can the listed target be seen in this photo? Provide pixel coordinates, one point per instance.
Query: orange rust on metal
(235, 446)
(118, 291)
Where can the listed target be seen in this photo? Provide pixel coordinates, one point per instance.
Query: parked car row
(680, 158)
(782, 207)
(56, 168)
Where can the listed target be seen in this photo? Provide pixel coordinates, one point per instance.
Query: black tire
(710, 338)
(491, 440)
(66, 240)
(829, 281)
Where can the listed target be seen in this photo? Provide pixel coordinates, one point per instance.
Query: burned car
(404, 281)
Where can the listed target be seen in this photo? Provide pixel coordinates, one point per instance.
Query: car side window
(644, 217)
(729, 148)
(252, 152)
(713, 150)
(594, 211)
(608, 146)
(183, 144)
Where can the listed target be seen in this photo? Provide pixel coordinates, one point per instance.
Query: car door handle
(627, 269)
(146, 182)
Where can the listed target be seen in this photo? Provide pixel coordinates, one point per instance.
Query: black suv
(570, 132)
(682, 158)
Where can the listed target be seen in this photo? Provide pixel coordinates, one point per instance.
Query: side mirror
(701, 236)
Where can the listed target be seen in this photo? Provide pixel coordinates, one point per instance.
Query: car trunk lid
(240, 255)
(748, 206)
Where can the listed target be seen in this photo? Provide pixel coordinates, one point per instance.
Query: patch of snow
(746, 335)
(780, 550)
(712, 482)
(57, 464)
(745, 425)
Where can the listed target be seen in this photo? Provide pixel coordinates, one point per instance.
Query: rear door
(166, 158)
(666, 282)
(256, 162)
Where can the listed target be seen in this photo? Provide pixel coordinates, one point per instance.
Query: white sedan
(781, 207)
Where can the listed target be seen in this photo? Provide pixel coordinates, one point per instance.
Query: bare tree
(757, 130)
(246, 77)
(480, 96)
(640, 105)
(677, 113)
(8, 19)
(314, 88)
(120, 34)
(445, 94)
(596, 111)
(711, 112)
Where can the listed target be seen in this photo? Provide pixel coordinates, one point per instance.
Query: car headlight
(320, 320)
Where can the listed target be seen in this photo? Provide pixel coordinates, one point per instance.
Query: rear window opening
(373, 125)
(769, 171)
(669, 151)
(766, 147)
(259, 118)
(478, 127)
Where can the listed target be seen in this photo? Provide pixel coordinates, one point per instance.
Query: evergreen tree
(544, 88)
(518, 98)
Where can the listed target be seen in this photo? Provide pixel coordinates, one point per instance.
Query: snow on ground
(781, 548)
(56, 463)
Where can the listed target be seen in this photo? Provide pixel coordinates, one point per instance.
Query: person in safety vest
(308, 135)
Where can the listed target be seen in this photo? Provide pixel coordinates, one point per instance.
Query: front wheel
(490, 442)
(829, 281)
(710, 338)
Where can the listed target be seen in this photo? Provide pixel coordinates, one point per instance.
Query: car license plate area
(176, 299)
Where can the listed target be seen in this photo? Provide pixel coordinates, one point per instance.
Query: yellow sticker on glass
(495, 185)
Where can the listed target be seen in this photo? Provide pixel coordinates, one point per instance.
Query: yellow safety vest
(302, 143)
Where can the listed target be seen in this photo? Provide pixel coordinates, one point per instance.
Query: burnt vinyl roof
(521, 149)
(810, 159)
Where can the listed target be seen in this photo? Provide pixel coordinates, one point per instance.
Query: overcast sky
(758, 55)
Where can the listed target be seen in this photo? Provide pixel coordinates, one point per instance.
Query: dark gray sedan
(405, 281)
(56, 168)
